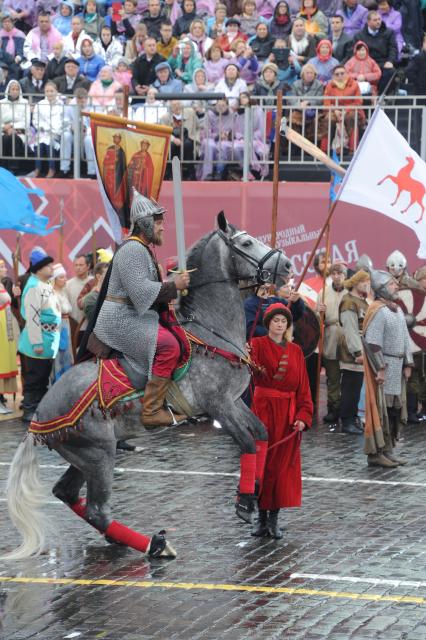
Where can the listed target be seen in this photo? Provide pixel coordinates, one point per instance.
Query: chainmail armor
(388, 330)
(132, 329)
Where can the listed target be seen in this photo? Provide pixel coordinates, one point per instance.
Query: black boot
(350, 426)
(29, 405)
(412, 417)
(274, 530)
(260, 529)
(123, 445)
(331, 416)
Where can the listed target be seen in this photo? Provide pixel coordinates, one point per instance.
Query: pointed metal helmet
(379, 280)
(397, 261)
(142, 213)
(364, 263)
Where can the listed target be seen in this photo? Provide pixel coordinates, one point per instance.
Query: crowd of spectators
(327, 56)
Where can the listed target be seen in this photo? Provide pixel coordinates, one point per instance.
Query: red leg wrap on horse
(79, 507)
(247, 472)
(122, 534)
(261, 451)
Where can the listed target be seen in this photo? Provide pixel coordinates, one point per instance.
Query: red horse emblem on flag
(405, 182)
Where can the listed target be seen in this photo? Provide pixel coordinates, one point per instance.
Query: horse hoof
(245, 507)
(246, 516)
(159, 547)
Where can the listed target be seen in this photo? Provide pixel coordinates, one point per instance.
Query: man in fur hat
(131, 319)
(388, 362)
(352, 311)
(333, 295)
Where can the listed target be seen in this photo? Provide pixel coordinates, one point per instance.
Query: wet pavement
(352, 563)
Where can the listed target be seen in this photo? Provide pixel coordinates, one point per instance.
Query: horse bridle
(262, 275)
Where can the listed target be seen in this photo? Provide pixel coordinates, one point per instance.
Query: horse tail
(24, 497)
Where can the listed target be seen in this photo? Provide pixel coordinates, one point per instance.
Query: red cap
(278, 308)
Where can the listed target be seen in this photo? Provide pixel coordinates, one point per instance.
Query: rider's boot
(153, 413)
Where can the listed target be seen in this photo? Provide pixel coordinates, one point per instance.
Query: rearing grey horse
(213, 312)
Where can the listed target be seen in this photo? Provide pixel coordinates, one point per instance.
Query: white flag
(386, 175)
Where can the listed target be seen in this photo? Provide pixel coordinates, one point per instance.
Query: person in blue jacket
(256, 304)
(90, 63)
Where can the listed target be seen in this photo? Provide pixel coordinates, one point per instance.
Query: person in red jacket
(342, 97)
(362, 68)
(282, 401)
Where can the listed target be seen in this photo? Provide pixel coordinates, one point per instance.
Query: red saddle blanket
(111, 385)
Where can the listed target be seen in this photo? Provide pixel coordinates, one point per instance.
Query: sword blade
(179, 219)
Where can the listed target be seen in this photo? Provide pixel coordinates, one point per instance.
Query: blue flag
(16, 209)
(336, 179)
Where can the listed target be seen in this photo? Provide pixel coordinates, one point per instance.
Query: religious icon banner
(128, 155)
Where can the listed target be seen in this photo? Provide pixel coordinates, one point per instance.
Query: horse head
(250, 259)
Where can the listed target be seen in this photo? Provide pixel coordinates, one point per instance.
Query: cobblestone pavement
(351, 564)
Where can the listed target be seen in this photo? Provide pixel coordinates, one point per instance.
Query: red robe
(281, 397)
(140, 173)
(114, 167)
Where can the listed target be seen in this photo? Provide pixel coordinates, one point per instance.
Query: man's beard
(157, 239)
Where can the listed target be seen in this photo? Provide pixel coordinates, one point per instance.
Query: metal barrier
(210, 144)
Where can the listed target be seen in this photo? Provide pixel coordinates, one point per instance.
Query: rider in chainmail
(388, 366)
(128, 321)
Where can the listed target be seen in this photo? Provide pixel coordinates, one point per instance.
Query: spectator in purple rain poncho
(247, 61)
(265, 8)
(257, 134)
(354, 16)
(215, 64)
(216, 141)
(393, 20)
(22, 12)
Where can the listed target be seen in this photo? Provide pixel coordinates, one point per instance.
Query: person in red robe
(282, 401)
(113, 171)
(140, 172)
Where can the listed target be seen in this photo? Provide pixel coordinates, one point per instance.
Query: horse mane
(194, 260)
(195, 253)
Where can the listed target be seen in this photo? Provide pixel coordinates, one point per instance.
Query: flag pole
(276, 174)
(61, 231)
(94, 243)
(126, 101)
(334, 204)
(322, 320)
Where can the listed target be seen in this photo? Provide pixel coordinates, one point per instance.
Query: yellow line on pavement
(196, 586)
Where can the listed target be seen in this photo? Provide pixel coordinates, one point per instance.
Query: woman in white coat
(109, 47)
(48, 122)
(15, 121)
(73, 41)
(231, 84)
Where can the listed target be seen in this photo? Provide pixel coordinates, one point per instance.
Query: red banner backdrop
(301, 212)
